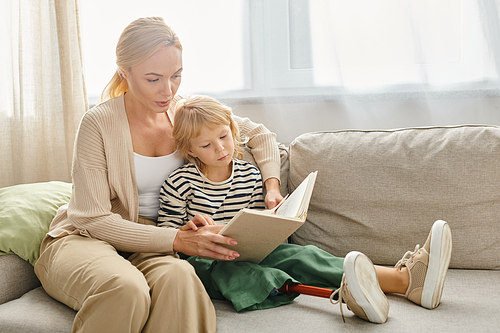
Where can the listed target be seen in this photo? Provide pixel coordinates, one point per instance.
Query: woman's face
(154, 82)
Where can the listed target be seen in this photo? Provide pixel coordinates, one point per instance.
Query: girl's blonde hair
(140, 40)
(193, 113)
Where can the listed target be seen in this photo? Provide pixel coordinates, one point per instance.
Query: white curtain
(277, 48)
(42, 90)
(370, 46)
(377, 64)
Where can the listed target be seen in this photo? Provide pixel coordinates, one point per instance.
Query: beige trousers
(148, 292)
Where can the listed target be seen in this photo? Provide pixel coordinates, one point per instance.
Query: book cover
(258, 233)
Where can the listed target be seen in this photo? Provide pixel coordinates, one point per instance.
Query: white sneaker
(360, 290)
(428, 265)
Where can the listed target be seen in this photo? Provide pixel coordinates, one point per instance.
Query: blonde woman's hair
(140, 40)
(192, 114)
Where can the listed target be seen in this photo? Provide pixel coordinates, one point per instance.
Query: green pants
(251, 286)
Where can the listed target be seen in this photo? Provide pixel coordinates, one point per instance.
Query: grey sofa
(377, 192)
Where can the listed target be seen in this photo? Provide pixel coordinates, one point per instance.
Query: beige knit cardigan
(104, 203)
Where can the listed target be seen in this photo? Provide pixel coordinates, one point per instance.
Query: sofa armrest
(17, 277)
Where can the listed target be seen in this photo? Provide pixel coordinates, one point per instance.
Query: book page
(273, 210)
(258, 233)
(295, 203)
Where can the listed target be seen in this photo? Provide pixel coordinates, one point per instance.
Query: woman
(103, 256)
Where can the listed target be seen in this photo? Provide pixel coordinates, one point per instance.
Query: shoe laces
(340, 292)
(408, 256)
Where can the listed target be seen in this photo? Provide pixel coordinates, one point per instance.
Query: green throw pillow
(26, 212)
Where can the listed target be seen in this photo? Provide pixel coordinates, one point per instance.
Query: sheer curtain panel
(41, 88)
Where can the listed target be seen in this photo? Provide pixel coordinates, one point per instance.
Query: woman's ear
(122, 73)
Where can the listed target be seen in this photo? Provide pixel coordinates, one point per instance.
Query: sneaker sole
(439, 261)
(362, 280)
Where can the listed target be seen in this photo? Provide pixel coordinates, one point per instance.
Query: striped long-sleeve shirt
(187, 192)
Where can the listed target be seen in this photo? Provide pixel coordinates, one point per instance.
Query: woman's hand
(273, 196)
(204, 242)
(198, 221)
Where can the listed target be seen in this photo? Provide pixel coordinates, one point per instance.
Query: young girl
(216, 185)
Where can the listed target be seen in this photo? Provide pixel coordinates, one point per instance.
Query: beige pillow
(379, 192)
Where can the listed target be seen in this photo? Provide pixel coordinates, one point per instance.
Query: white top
(150, 173)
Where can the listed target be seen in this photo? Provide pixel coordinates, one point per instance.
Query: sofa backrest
(247, 156)
(379, 192)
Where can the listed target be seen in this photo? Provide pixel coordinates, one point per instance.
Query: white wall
(290, 119)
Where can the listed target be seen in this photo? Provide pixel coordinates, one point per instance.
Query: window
(214, 36)
(365, 44)
(262, 48)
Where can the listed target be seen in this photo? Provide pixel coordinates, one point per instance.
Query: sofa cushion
(469, 303)
(26, 212)
(35, 312)
(379, 192)
(17, 277)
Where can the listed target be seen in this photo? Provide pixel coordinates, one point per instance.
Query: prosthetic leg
(290, 288)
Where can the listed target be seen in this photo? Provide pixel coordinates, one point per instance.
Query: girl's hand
(273, 196)
(204, 242)
(198, 221)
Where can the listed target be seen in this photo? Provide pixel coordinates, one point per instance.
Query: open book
(259, 232)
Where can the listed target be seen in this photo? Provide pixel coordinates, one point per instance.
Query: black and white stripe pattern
(187, 192)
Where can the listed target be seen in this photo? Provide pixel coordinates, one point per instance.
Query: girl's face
(154, 82)
(214, 147)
